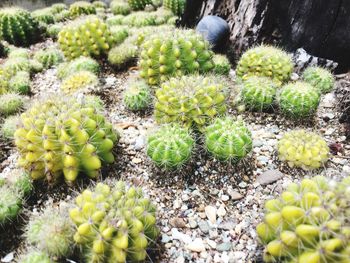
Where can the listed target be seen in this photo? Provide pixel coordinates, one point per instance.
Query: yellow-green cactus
(320, 78)
(79, 81)
(81, 8)
(176, 6)
(139, 4)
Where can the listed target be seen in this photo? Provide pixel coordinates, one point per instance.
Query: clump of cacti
(177, 52)
(20, 83)
(9, 127)
(303, 149)
(63, 135)
(222, 65)
(139, 4)
(298, 99)
(228, 139)
(11, 103)
(89, 36)
(122, 55)
(18, 27)
(49, 57)
(320, 78)
(190, 100)
(44, 15)
(76, 65)
(120, 8)
(79, 81)
(35, 256)
(137, 96)
(115, 224)
(81, 8)
(265, 61)
(308, 223)
(176, 6)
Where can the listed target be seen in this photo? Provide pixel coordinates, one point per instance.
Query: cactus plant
(122, 55)
(303, 149)
(137, 96)
(81, 8)
(298, 99)
(139, 4)
(320, 78)
(53, 30)
(44, 15)
(62, 135)
(139, 19)
(20, 83)
(228, 139)
(77, 65)
(10, 203)
(35, 66)
(62, 16)
(79, 81)
(176, 6)
(174, 53)
(35, 256)
(308, 223)
(99, 4)
(9, 127)
(119, 34)
(14, 65)
(120, 8)
(265, 61)
(114, 224)
(222, 65)
(11, 103)
(19, 53)
(58, 8)
(18, 27)
(88, 36)
(49, 57)
(190, 100)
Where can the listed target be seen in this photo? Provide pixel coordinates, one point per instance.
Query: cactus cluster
(88, 36)
(139, 4)
(79, 81)
(76, 65)
(49, 57)
(308, 223)
(320, 78)
(81, 8)
(20, 83)
(11, 103)
(222, 65)
(265, 61)
(120, 8)
(137, 96)
(176, 6)
(9, 127)
(303, 149)
(44, 15)
(63, 135)
(114, 224)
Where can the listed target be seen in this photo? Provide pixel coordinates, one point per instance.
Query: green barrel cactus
(120, 8)
(14, 65)
(265, 61)
(62, 16)
(177, 53)
(19, 53)
(228, 139)
(303, 149)
(11, 103)
(119, 34)
(79, 81)
(20, 181)
(76, 65)
(114, 224)
(35, 66)
(53, 30)
(10, 203)
(222, 65)
(320, 78)
(49, 57)
(20, 83)
(139, 4)
(308, 223)
(44, 15)
(137, 96)
(190, 101)
(298, 100)
(64, 136)
(9, 127)
(58, 8)
(35, 256)
(88, 36)
(176, 6)
(258, 93)
(99, 4)
(18, 27)
(123, 55)
(81, 8)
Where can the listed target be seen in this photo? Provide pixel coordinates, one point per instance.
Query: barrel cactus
(120, 8)
(298, 99)
(222, 65)
(10, 203)
(190, 100)
(320, 78)
(20, 83)
(35, 256)
(49, 57)
(137, 96)
(44, 15)
(63, 135)
(265, 61)
(58, 8)
(81, 8)
(123, 55)
(11, 103)
(14, 65)
(176, 52)
(303, 149)
(114, 224)
(139, 4)
(88, 36)
(18, 27)
(19, 53)
(176, 6)
(308, 223)
(9, 127)
(79, 81)
(76, 65)
(53, 30)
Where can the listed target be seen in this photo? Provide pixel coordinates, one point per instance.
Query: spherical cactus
(222, 65)
(81, 8)
(62, 16)
(320, 78)
(303, 149)
(119, 34)
(49, 57)
(36, 66)
(122, 55)
(35, 256)
(176, 6)
(298, 99)
(9, 127)
(79, 81)
(265, 61)
(11, 103)
(21, 181)
(18, 27)
(170, 147)
(140, 19)
(190, 100)
(44, 15)
(137, 96)
(62, 135)
(120, 8)
(14, 65)
(258, 93)
(10, 203)
(77, 65)
(176, 52)
(99, 4)
(88, 36)
(19, 53)
(20, 83)
(58, 8)
(114, 225)
(139, 4)
(53, 30)
(308, 223)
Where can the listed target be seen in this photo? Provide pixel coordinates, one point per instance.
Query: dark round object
(214, 29)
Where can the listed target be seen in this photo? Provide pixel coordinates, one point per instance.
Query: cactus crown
(44, 15)
(320, 78)
(120, 8)
(20, 83)
(79, 81)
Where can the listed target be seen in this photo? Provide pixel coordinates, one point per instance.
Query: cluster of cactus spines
(79, 81)
(81, 8)
(114, 224)
(174, 53)
(9, 127)
(44, 15)
(49, 57)
(35, 256)
(171, 146)
(89, 36)
(120, 8)
(137, 96)
(258, 93)
(222, 65)
(51, 231)
(62, 135)
(20, 83)
(190, 100)
(76, 65)
(298, 99)
(320, 78)
(122, 55)
(53, 30)
(308, 223)
(176, 6)
(18, 27)
(228, 139)
(139, 4)
(303, 149)
(265, 61)
(11, 103)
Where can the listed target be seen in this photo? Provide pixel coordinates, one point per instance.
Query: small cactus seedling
(11, 103)
(9, 127)
(222, 65)
(114, 224)
(258, 93)
(137, 96)
(63, 135)
(139, 4)
(81, 8)
(228, 139)
(298, 100)
(35, 256)
(265, 61)
(20, 83)
(303, 149)
(77, 65)
(320, 78)
(308, 223)
(120, 8)
(49, 57)
(170, 146)
(176, 6)
(79, 81)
